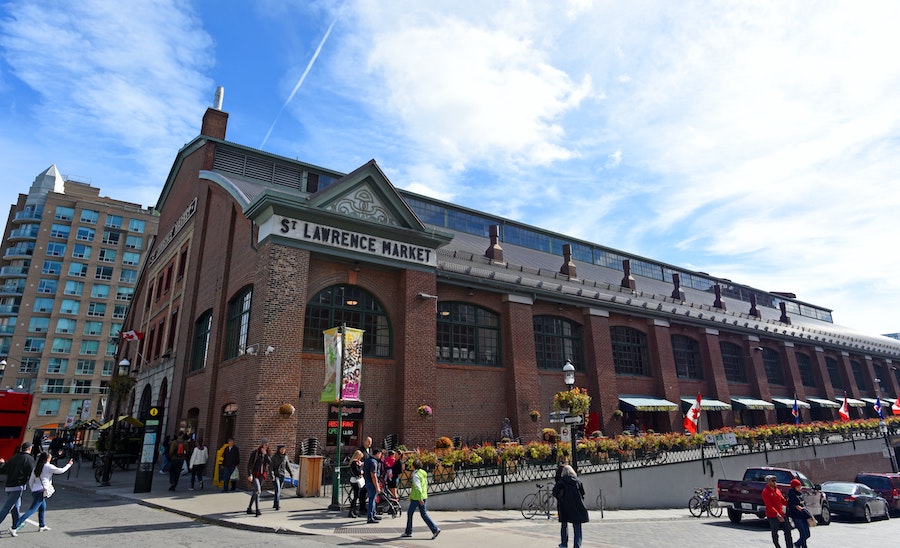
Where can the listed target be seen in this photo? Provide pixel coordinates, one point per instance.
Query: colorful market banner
(343, 360)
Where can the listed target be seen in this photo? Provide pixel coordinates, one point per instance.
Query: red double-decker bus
(15, 408)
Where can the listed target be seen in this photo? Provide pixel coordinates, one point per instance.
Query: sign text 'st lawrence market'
(348, 239)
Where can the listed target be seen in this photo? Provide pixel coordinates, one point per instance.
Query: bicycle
(541, 502)
(654, 456)
(704, 501)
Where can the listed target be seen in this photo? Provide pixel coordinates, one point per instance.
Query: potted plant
(424, 410)
(535, 415)
(575, 400)
(286, 409)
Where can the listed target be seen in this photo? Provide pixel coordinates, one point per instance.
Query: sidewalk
(310, 515)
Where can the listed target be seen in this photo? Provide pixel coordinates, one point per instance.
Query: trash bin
(309, 480)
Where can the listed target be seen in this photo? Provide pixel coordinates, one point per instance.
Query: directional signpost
(577, 419)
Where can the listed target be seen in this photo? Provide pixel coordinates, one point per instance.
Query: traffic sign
(576, 419)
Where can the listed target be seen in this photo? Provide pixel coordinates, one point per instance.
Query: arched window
(354, 306)
(804, 364)
(202, 328)
(467, 334)
(859, 375)
(163, 393)
(733, 360)
(238, 323)
(772, 363)
(631, 353)
(144, 408)
(557, 340)
(835, 373)
(688, 361)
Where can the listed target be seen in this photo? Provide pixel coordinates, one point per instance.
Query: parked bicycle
(704, 501)
(654, 456)
(540, 502)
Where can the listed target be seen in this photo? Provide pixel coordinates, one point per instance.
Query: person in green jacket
(417, 497)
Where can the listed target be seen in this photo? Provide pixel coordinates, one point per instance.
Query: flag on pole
(693, 416)
(131, 335)
(796, 411)
(844, 411)
(896, 407)
(878, 407)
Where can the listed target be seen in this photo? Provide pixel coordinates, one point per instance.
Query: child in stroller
(386, 503)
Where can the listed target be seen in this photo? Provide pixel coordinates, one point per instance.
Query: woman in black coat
(569, 493)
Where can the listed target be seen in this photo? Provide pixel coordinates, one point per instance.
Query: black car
(855, 499)
(885, 484)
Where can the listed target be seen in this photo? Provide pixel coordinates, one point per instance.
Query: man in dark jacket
(231, 459)
(17, 470)
(178, 451)
(569, 493)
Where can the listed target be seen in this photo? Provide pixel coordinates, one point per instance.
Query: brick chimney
(494, 251)
(628, 279)
(568, 267)
(215, 121)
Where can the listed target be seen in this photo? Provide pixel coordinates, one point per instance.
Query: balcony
(9, 310)
(19, 253)
(24, 216)
(14, 272)
(12, 290)
(30, 233)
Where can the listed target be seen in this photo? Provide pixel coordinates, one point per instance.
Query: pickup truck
(745, 496)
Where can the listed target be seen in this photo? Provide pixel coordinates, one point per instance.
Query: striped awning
(706, 404)
(751, 403)
(820, 402)
(788, 403)
(852, 402)
(646, 403)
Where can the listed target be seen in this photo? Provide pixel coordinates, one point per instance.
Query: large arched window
(557, 340)
(351, 305)
(688, 361)
(772, 363)
(238, 323)
(202, 328)
(145, 405)
(631, 353)
(804, 364)
(859, 375)
(733, 360)
(467, 334)
(835, 373)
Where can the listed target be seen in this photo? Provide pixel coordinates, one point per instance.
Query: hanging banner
(343, 360)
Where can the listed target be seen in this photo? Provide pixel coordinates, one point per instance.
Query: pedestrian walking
(280, 467)
(41, 485)
(569, 493)
(231, 460)
(417, 497)
(178, 451)
(796, 509)
(372, 475)
(197, 463)
(257, 468)
(775, 503)
(357, 506)
(18, 470)
(164, 454)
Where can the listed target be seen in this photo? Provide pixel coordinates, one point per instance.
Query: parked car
(744, 496)
(886, 485)
(856, 500)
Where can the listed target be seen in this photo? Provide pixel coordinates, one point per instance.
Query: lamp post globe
(569, 379)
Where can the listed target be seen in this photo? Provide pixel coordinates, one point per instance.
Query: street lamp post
(569, 379)
(117, 386)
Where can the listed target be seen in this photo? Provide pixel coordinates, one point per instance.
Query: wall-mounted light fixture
(427, 296)
(270, 349)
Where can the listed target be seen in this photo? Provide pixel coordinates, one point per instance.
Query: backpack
(179, 452)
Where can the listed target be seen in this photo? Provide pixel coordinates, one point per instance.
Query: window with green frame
(688, 360)
(631, 352)
(238, 323)
(733, 360)
(353, 306)
(467, 334)
(202, 329)
(557, 340)
(804, 364)
(772, 364)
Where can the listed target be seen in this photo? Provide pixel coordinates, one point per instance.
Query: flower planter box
(444, 474)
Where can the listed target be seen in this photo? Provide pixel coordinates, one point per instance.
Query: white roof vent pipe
(220, 94)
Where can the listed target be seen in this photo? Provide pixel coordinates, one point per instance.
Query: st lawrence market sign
(347, 239)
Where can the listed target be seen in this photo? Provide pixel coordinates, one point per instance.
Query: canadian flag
(844, 411)
(896, 407)
(693, 416)
(132, 335)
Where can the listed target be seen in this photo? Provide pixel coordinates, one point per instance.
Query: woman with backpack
(257, 469)
(41, 485)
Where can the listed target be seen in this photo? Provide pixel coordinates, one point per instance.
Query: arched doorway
(144, 408)
(227, 424)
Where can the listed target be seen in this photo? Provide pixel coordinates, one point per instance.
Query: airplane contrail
(299, 82)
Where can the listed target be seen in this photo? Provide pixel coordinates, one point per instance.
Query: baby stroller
(387, 504)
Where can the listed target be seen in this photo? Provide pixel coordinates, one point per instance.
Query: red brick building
(469, 313)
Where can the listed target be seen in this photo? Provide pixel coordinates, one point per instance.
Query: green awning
(706, 404)
(819, 402)
(788, 403)
(751, 403)
(852, 402)
(645, 403)
(870, 401)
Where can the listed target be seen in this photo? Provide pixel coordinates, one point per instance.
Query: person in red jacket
(775, 505)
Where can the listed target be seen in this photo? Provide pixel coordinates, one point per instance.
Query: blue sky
(756, 141)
